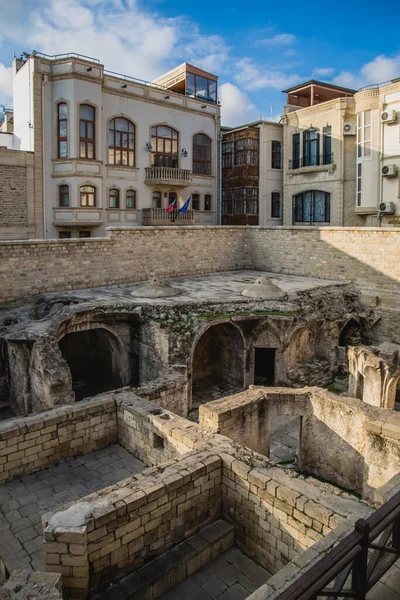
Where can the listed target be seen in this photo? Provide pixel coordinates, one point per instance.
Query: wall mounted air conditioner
(389, 116)
(387, 207)
(349, 128)
(389, 171)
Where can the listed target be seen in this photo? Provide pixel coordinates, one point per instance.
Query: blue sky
(256, 52)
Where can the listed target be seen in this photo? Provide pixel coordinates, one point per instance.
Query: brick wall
(31, 444)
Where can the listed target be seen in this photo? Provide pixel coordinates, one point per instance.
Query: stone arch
(96, 358)
(218, 361)
(350, 334)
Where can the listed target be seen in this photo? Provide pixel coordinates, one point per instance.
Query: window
(327, 145)
(364, 132)
(87, 195)
(196, 201)
(246, 151)
(245, 201)
(227, 155)
(64, 195)
(359, 178)
(276, 162)
(201, 87)
(86, 131)
(164, 143)
(296, 151)
(84, 234)
(62, 130)
(227, 202)
(275, 205)
(157, 200)
(207, 202)
(201, 154)
(311, 148)
(311, 207)
(64, 235)
(130, 199)
(113, 198)
(121, 142)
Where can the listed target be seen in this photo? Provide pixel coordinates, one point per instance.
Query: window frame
(227, 154)
(196, 200)
(86, 140)
(201, 155)
(134, 192)
(86, 194)
(61, 194)
(61, 139)
(276, 203)
(276, 154)
(208, 202)
(362, 138)
(311, 148)
(64, 235)
(327, 155)
(296, 151)
(115, 194)
(160, 198)
(123, 149)
(359, 184)
(312, 205)
(156, 155)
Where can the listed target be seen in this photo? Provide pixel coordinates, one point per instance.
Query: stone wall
(31, 444)
(16, 177)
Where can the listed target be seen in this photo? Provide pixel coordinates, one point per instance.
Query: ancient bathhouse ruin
(179, 426)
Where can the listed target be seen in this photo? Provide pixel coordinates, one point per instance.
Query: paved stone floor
(388, 588)
(24, 500)
(232, 576)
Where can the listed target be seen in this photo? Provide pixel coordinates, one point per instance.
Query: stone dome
(264, 289)
(155, 288)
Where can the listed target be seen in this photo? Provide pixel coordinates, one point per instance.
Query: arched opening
(218, 363)
(351, 334)
(94, 359)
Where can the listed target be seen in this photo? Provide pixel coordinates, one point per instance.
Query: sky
(257, 49)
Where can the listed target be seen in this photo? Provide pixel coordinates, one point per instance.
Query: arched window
(312, 207)
(87, 195)
(62, 130)
(113, 198)
(164, 143)
(63, 191)
(196, 201)
(121, 142)
(275, 205)
(87, 115)
(201, 154)
(276, 158)
(130, 197)
(207, 202)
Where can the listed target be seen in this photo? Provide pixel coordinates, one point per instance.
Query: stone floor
(24, 500)
(388, 588)
(232, 576)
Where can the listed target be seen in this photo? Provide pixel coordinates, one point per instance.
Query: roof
(322, 83)
(252, 124)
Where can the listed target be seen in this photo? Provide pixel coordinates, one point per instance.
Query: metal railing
(65, 55)
(357, 563)
(168, 174)
(160, 216)
(324, 159)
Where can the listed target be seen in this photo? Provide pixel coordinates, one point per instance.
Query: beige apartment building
(252, 174)
(112, 150)
(319, 171)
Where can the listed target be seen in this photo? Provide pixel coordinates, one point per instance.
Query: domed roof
(264, 289)
(155, 288)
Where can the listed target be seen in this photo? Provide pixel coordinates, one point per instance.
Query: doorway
(264, 366)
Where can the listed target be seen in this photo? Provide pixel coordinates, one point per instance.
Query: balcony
(160, 216)
(77, 217)
(320, 163)
(168, 176)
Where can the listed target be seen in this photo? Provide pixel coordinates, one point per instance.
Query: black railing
(357, 563)
(324, 159)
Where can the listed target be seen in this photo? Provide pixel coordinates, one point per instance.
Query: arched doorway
(218, 363)
(94, 359)
(351, 334)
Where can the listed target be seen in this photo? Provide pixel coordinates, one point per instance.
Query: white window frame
(362, 137)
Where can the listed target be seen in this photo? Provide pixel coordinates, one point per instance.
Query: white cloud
(5, 85)
(324, 72)
(280, 39)
(236, 107)
(253, 77)
(381, 69)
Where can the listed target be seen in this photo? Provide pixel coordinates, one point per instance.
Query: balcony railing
(357, 563)
(318, 161)
(160, 216)
(168, 175)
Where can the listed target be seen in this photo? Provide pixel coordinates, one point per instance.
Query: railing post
(360, 564)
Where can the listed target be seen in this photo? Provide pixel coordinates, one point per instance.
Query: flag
(185, 207)
(171, 206)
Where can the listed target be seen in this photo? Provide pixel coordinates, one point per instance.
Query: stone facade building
(112, 150)
(252, 174)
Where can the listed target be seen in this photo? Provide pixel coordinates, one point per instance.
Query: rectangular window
(227, 202)
(296, 151)
(240, 152)
(310, 148)
(62, 127)
(84, 234)
(130, 199)
(113, 198)
(227, 155)
(196, 201)
(86, 131)
(207, 202)
(156, 199)
(312, 207)
(275, 205)
(201, 87)
(364, 134)
(64, 235)
(276, 158)
(359, 178)
(64, 195)
(327, 143)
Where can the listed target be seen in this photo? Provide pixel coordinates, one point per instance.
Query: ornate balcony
(168, 175)
(160, 216)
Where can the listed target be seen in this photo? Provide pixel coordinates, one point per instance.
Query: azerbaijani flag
(185, 207)
(171, 206)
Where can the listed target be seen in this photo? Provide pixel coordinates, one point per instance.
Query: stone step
(163, 573)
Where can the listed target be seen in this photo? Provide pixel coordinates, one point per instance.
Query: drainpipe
(44, 81)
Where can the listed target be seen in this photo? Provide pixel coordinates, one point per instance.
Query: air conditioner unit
(389, 171)
(349, 129)
(389, 116)
(387, 207)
